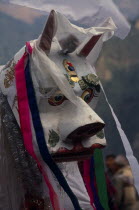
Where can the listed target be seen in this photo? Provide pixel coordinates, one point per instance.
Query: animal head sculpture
(56, 75)
(66, 86)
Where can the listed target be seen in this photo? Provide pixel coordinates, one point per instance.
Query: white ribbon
(129, 152)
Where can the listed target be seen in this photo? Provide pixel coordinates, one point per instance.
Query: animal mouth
(79, 152)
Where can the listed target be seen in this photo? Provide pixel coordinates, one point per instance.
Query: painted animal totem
(49, 92)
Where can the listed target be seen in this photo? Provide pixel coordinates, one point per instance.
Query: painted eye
(87, 95)
(56, 100)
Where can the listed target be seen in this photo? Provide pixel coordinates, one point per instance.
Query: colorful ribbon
(100, 178)
(41, 138)
(87, 181)
(93, 185)
(24, 115)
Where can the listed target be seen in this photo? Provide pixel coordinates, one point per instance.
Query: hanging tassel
(93, 185)
(100, 178)
(87, 181)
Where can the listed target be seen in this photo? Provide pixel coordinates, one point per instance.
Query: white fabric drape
(95, 11)
(129, 152)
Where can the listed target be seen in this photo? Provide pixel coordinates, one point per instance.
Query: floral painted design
(10, 75)
(8, 65)
(89, 81)
(100, 134)
(53, 138)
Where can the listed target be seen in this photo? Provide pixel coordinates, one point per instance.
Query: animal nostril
(81, 131)
(92, 130)
(85, 131)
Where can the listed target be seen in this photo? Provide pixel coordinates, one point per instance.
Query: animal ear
(48, 32)
(88, 47)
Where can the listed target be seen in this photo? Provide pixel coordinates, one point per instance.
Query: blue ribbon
(41, 138)
(92, 176)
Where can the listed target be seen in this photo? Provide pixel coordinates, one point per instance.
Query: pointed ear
(48, 32)
(87, 48)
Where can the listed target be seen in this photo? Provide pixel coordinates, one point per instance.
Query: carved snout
(85, 131)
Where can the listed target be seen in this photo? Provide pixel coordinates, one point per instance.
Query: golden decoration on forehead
(70, 70)
(9, 76)
(70, 81)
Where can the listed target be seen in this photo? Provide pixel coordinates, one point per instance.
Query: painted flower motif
(82, 84)
(90, 81)
(100, 134)
(53, 138)
(9, 76)
(9, 64)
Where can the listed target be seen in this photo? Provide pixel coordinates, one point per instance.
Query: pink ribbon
(25, 122)
(87, 181)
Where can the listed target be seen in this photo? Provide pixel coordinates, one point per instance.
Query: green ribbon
(100, 178)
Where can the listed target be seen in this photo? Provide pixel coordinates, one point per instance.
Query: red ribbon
(25, 121)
